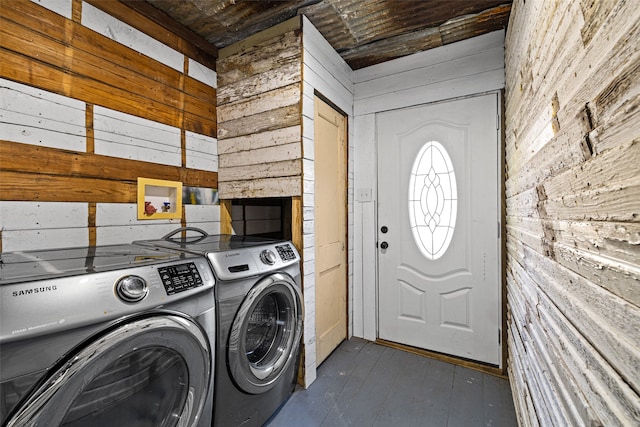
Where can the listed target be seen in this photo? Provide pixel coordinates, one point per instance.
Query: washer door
(265, 334)
(149, 371)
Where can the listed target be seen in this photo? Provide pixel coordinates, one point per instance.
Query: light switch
(363, 195)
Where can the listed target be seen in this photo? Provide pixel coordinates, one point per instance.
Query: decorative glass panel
(433, 200)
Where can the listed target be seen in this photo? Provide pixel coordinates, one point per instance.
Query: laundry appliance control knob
(132, 288)
(268, 257)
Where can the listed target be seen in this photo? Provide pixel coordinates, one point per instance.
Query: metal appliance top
(25, 266)
(203, 242)
(49, 291)
(231, 256)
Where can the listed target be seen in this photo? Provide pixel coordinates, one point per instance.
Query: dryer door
(265, 335)
(150, 371)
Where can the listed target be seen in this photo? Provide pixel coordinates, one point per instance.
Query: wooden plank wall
(259, 115)
(90, 103)
(573, 211)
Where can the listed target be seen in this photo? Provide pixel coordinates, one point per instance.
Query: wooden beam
(291, 25)
(18, 186)
(64, 164)
(296, 224)
(225, 217)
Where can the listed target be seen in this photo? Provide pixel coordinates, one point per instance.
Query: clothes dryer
(259, 308)
(106, 336)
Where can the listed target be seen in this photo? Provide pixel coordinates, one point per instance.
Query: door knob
(384, 245)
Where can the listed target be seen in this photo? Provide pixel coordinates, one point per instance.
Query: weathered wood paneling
(33, 116)
(90, 102)
(286, 186)
(573, 211)
(155, 23)
(201, 152)
(112, 179)
(279, 50)
(37, 225)
(259, 115)
(98, 70)
(260, 140)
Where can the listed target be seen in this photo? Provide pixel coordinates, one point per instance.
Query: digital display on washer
(285, 252)
(179, 278)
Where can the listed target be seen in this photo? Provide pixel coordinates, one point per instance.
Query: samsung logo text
(40, 290)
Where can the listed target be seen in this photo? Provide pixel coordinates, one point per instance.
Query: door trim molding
(501, 370)
(471, 364)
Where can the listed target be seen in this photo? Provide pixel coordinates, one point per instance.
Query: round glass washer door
(151, 371)
(265, 334)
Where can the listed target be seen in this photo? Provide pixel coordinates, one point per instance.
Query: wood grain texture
(262, 58)
(154, 22)
(74, 78)
(264, 170)
(98, 70)
(260, 140)
(260, 118)
(46, 188)
(90, 176)
(572, 206)
(226, 217)
(68, 163)
(262, 188)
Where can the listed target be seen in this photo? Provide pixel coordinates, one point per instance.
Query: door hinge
(499, 337)
(499, 229)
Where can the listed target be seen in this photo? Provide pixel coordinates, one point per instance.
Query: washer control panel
(180, 277)
(92, 298)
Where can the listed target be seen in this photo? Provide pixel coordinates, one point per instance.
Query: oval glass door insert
(433, 200)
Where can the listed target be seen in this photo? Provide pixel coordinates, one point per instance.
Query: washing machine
(259, 308)
(106, 336)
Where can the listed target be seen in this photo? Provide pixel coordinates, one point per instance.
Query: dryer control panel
(286, 252)
(180, 277)
(251, 261)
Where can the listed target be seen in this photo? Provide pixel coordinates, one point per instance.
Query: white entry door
(438, 228)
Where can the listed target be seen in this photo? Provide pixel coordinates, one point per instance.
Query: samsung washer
(106, 336)
(259, 310)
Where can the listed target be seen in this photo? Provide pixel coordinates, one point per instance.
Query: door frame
(500, 184)
(345, 116)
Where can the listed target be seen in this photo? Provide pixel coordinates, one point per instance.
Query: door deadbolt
(384, 229)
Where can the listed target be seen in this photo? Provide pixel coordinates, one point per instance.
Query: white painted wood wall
(326, 73)
(34, 116)
(573, 211)
(460, 69)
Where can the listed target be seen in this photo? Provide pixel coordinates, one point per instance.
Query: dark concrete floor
(366, 384)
